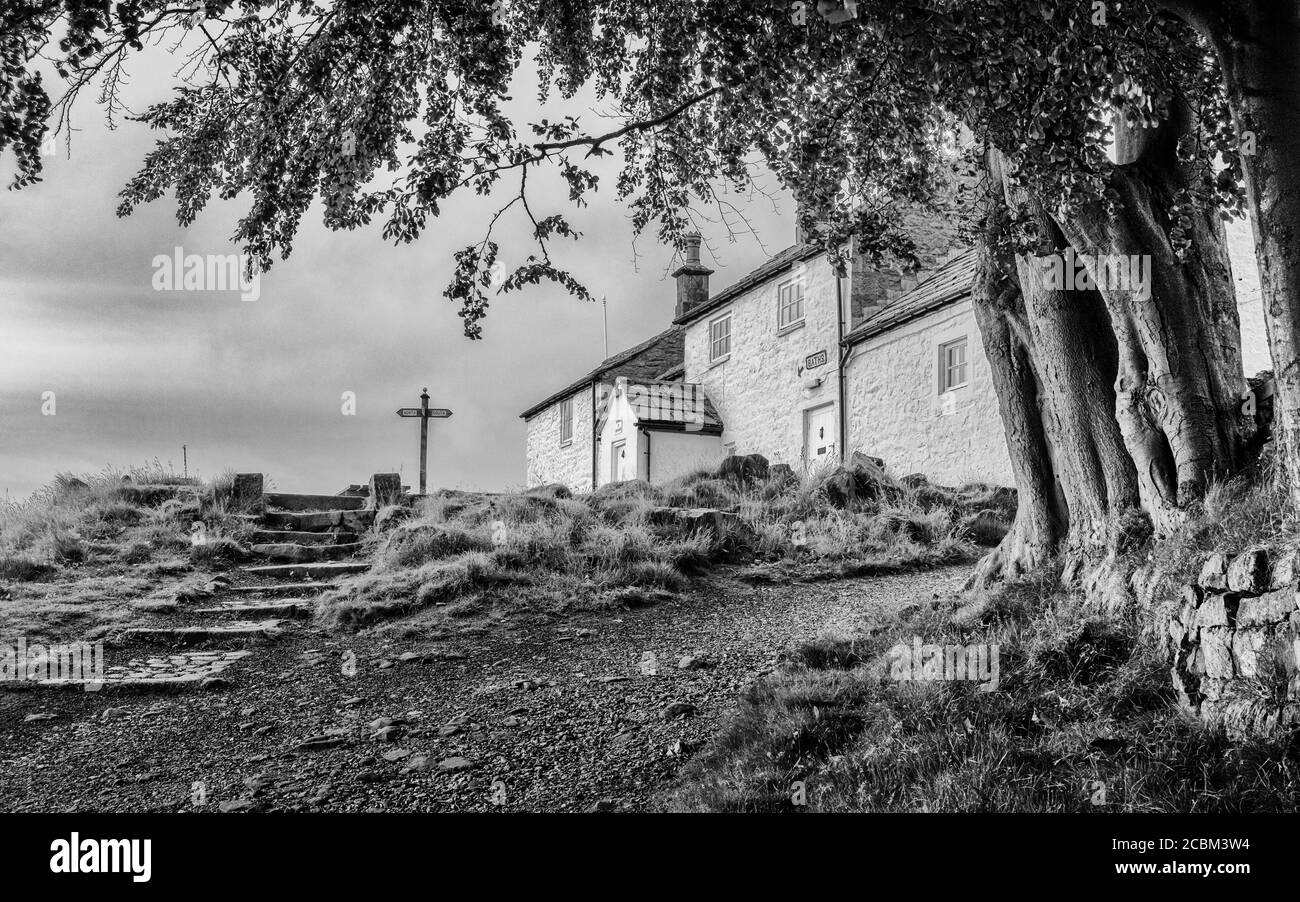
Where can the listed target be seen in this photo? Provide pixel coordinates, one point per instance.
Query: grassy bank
(1082, 717)
(78, 554)
(543, 552)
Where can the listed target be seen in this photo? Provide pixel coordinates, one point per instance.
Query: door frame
(809, 461)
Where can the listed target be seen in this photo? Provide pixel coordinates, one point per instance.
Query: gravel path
(561, 716)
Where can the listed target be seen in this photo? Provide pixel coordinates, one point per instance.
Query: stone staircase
(306, 541)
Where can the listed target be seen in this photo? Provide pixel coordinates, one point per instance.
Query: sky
(259, 386)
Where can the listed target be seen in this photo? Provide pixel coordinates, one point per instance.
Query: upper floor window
(952, 365)
(720, 338)
(789, 304)
(566, 421)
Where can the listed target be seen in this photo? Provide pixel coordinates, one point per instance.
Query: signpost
(424, 412)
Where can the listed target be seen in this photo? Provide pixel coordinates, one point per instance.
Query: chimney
(871, 287)
(692, 278)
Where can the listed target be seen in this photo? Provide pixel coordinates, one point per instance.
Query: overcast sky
(257, 386)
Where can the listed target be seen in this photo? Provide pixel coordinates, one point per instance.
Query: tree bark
(1179, 383)
(1258, 47)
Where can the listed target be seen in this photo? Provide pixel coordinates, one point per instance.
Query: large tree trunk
(1119, 406)
(1041, 517)
(1053, 360)
(1179, 384)
(1258, 46)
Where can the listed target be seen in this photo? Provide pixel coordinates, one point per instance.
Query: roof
(673, 375)
(669, 405)
(606, 365)
(788, 257)
(949, 283)
(674, 406)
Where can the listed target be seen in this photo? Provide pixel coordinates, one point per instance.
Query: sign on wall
(812, 361)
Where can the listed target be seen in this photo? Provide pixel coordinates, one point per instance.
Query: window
(952, 365)
(566, 421)
(720, 338)
(789, 304)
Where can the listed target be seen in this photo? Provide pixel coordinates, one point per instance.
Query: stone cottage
(630, 417)
(805, 367)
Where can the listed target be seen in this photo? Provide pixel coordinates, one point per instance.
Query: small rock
(215, 684)
(511, 721)
(454, 765)
(41, 716)
(113, 713)
(262, 731)
(320, 742)
(396, 754)
(322, 793)
(259, 781)
(408, 656)
(417, 764)
(388, 734)
(679, 709)
(584, 633)
(232, 806)
(352, 702)
(385, 664)
(695, 662)
(604, 806)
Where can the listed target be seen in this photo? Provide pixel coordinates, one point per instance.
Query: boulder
(782, 474)
(745, 469)
(554, 490)
(392, 515)
(866, 480)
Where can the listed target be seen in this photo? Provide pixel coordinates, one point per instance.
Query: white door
(618, 461)
(819, 436)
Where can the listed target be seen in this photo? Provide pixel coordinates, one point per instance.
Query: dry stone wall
(1235, 640)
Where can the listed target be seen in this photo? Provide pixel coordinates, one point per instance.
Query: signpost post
(424, 412)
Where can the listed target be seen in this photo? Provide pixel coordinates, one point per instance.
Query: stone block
(385, 490)
(246, 494)
(1214, 572)
(1215, 658)
(1284, 572)
(1269, 608)
(1249, 572)
(1214, 612)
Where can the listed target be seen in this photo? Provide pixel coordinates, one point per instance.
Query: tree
(1257, 45)
(1120, 407)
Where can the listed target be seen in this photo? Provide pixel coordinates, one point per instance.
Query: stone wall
(1234, 642)
(897, 413)
(1250, 306)
(547, 460)
(762, 391)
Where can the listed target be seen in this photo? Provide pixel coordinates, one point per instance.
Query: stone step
(184, 670)
(306, 554)
(308, 571)
(188, 635)
(279, 588)
(287, 501)
(286, 608)
(317, 521)
(302, 537)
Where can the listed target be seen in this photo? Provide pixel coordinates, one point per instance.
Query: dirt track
(557, 716)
